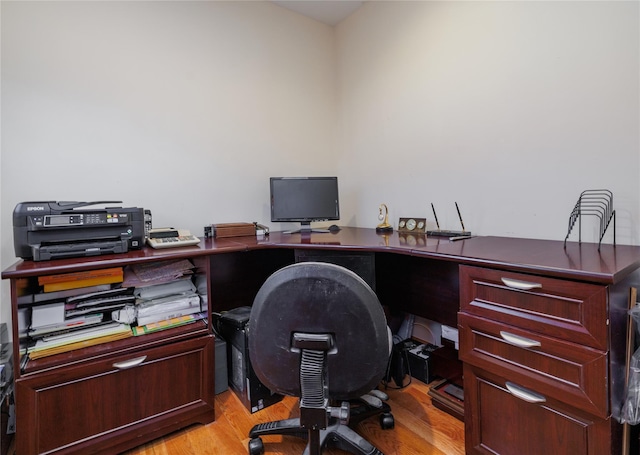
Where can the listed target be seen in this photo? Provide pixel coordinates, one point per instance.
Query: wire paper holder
(597, 203)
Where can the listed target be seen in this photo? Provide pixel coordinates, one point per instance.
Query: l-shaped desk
(543, 332)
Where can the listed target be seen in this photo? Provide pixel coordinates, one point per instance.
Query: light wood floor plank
(421, 429)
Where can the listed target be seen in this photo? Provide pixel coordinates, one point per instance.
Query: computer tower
(242, 379)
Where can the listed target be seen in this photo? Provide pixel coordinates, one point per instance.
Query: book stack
(166, 295)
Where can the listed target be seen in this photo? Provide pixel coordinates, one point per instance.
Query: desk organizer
(597, 203)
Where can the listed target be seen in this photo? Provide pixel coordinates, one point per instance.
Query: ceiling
(330, 12)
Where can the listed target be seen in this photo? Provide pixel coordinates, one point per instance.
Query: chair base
(336, 434)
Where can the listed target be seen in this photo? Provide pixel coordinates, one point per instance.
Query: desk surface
(577, 261)
(418, 275)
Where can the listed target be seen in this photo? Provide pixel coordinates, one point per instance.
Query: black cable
(387, 382)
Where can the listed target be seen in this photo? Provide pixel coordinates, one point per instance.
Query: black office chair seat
(317, 331)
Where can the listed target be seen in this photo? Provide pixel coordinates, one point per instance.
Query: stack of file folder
(163, 292)
(77, 312)
(64, 342)
(72, 318)
(75, 280)
(82, 309)
(167, 307)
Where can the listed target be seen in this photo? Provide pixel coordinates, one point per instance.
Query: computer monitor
(303, 200)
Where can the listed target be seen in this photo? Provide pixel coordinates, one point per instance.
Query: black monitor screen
(304, 199)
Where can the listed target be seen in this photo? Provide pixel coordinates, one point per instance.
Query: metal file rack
(597, 203)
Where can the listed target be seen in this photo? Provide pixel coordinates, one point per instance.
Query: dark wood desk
(575, 315)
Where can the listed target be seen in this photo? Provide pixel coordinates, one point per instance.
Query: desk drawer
(570, 373)
(107, 405)
(504, 418)
(568, 310)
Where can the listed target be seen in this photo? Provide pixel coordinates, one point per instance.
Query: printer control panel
(78, 219)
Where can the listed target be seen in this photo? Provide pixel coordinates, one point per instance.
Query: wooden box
(233, 229)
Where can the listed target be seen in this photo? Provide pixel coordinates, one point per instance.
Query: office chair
(317, 331)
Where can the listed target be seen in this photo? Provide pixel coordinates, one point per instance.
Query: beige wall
(186, 108)
(512, 109)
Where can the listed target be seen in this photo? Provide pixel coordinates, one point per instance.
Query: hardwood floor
(420, 429)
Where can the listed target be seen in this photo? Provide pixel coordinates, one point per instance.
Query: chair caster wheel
(387, 421)
(256, 447)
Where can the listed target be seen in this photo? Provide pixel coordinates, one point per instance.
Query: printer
(52, 230)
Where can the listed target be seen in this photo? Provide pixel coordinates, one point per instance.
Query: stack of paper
(141, 275)
(102, 301)
(168, 307)
(181, 286)
(57, 344)
(164, 291)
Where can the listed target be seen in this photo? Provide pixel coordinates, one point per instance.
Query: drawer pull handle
(522, 285)
(130, 363)
(524, 394)
(518, 340)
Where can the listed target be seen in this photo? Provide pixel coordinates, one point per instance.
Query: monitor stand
(305, 229)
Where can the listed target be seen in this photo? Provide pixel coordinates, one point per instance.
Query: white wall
(512, 109)
(186, 108)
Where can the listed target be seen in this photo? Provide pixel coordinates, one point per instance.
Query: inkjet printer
(53, 230)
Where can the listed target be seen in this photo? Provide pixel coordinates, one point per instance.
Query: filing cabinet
(102, 405)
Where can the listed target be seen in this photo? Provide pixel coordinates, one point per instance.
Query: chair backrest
(313, 297)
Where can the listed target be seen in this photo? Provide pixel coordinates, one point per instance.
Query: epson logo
(35, 208)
